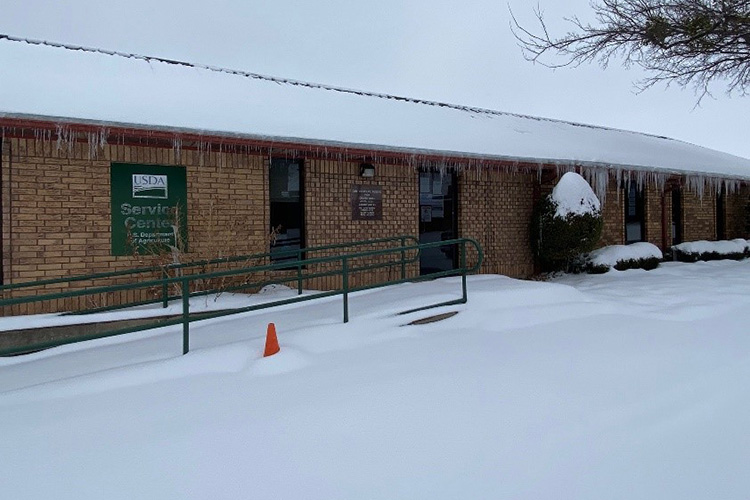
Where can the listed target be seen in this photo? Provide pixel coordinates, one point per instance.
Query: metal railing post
(403, 258)
(464, 297)
(164, 289)
(345, 279)
(185, 315)
(299, 272)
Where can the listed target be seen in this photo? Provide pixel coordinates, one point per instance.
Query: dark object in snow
(433, 319)
(706, 256)
(682, 256)
(647, 263)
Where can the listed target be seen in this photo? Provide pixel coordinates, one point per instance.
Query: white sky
(460, 52)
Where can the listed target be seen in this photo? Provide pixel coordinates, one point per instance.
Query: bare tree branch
(694, 43)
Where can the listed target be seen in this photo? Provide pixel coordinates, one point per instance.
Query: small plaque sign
(367, 202)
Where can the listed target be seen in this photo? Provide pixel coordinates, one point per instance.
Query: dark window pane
(287, 208)
(437, 220)
(634, 214)
(285, 182)
(632, 201)
(676, 216)
(633, 232)
(721, 222)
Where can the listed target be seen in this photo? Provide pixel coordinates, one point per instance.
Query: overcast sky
(459, 52)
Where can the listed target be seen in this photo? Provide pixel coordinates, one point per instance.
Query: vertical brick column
(613, 212)
(495, 208)
(699, 215)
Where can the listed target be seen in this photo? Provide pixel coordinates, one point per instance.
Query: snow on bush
(635, 256)
(566, 223)
(573, 195)
(692, 251)
(273, 289)
(745, 244)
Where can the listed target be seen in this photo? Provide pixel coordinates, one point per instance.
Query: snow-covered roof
(78, 85)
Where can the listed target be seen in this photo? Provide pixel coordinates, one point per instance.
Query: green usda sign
(147, 201)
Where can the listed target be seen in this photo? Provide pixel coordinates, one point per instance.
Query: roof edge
(24, 120)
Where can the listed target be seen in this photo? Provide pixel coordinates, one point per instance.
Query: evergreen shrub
(647, 263)
(558, 241)
(682, 256)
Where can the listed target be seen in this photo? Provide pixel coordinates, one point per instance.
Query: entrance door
(438, 220)
(287, 207)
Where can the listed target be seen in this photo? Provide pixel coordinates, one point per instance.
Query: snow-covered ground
(626, 385)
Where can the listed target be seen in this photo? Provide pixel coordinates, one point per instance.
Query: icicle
(598, 179)
(64, 138)
(177, 148)
(96, 141)
(731, 186)
(696, 184)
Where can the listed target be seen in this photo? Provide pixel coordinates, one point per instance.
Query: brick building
(253, 153)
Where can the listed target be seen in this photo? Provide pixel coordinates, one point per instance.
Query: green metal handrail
(164, 270)
(344, 270)
(278, 254)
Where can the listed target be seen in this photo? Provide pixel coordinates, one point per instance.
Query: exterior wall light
(366, 170)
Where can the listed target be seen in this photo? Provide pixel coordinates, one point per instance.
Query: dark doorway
(634, 214)
(676, 216)
(438, 219)
(287, 207)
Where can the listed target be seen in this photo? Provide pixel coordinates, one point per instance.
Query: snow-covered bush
(621, 257)
(566, 223)
(693, 251)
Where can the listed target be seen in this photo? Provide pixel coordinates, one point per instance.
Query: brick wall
(653, 214)
(495, 209)
(699, 215)
(613, 213)
(56, 209)
(698, 218)
(57, 212)
(328, 214)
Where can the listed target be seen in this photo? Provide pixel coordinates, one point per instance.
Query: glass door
(438, 220)
(287, 208)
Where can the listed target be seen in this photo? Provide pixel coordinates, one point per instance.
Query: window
(634, 214)
(287, 208)
(676, 216)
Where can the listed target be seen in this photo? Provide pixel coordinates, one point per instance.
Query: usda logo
(150, 186)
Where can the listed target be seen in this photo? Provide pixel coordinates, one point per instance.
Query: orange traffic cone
(272, 343)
